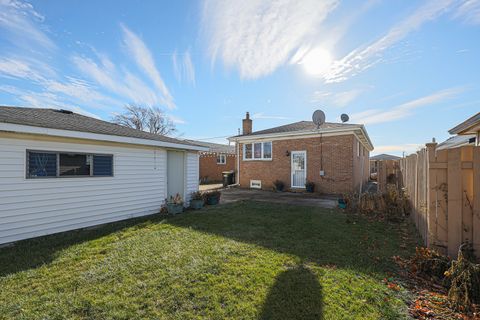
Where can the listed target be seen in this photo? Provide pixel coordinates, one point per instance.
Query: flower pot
(174, 208)
(342, 204)
(310, 188)
(213, 200)
(196, 204)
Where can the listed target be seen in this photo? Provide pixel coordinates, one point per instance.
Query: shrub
(174, 200)
(310, 186)
(392, 205)
(197, 195)
(428, 263)
(278, 185)
(464, 277)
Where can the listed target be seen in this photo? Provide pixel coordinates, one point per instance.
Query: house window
(221, 159)
(358, 148)
(42, 164)
(247, 151)
(257, 151)
(267, 150)
(74, 164)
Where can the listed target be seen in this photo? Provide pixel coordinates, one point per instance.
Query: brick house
(218, 158)
(334, 156)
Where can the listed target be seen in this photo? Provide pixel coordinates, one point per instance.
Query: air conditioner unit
(256, 184)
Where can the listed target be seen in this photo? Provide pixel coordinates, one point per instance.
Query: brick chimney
(247, 124)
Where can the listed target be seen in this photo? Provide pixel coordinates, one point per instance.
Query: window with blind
(48, 164)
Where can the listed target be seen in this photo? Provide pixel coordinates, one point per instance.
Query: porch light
(287, 153)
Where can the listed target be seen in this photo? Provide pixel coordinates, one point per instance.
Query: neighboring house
(334, 156)
(457, 141)
(218, 158)
(61, 171)
(381, 157)
(471, 126)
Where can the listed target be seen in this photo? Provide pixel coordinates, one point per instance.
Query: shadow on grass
(321, 236)
(32, 253)
(296, 294)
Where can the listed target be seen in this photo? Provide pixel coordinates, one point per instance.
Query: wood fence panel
(467, 194)
(476, 201)
(455, 231)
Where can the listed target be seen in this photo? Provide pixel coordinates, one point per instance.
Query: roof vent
(65, 111)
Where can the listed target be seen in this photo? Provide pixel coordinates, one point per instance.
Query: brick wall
(211, 170)
(339, 160)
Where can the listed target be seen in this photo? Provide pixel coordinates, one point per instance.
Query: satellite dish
(318, 117)
(344, 117)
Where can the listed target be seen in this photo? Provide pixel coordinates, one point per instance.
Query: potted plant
(174, 204)
(310, 186)
(213, 197)
(278, 185)
(197, 200)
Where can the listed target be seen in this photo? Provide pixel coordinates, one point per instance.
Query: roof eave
(17, 128)
(353, 129)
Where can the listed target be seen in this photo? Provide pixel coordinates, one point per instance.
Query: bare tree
(151, 119)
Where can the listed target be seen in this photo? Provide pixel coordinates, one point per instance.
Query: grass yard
(240, 261)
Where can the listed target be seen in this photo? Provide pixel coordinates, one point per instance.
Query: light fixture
(287, 153)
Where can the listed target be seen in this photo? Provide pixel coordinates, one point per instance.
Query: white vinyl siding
(36, 207)
(192, 175)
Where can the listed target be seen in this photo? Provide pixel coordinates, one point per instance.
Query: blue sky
(409, 70)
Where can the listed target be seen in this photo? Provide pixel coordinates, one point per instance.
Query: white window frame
(262, 158)
(222, 156)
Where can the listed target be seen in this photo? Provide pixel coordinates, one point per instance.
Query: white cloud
(183, 67)
(339, 99)
(255, 36)
(398, 148)
(20, 20)
(176, 119)
(469, 11)
(144, 59)
(124, 84)
(404, 110)
(361, 59)
(261, 115)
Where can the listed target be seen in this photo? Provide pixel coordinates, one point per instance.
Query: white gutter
(17, 128)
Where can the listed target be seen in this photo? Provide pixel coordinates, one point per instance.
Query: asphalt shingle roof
(56, 119)
(384, 156)
(300, 126)
(215, 147)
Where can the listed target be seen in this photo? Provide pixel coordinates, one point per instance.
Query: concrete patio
(305, 199)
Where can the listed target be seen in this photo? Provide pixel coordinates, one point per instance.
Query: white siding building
(57, 176)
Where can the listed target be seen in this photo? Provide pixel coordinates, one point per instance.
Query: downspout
(238, 162)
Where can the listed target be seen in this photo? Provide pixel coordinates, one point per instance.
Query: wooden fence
(388, 172)
(444, 189)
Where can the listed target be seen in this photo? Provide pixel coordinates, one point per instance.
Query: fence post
(430, 198)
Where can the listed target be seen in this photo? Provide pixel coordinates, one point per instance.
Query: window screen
(102, 165)
(41, 164)
(257, 150)
(267, 150)
(248, 151)
(74, 164)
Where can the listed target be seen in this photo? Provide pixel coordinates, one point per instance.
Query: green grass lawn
(239, 261)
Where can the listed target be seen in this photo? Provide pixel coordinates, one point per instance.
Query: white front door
(175, 173)
(299, 169)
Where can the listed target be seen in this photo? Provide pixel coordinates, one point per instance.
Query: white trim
(253, 151)
(358, 130)
(304, 152)
(257, 182)
(224, 156)
(17, 128)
